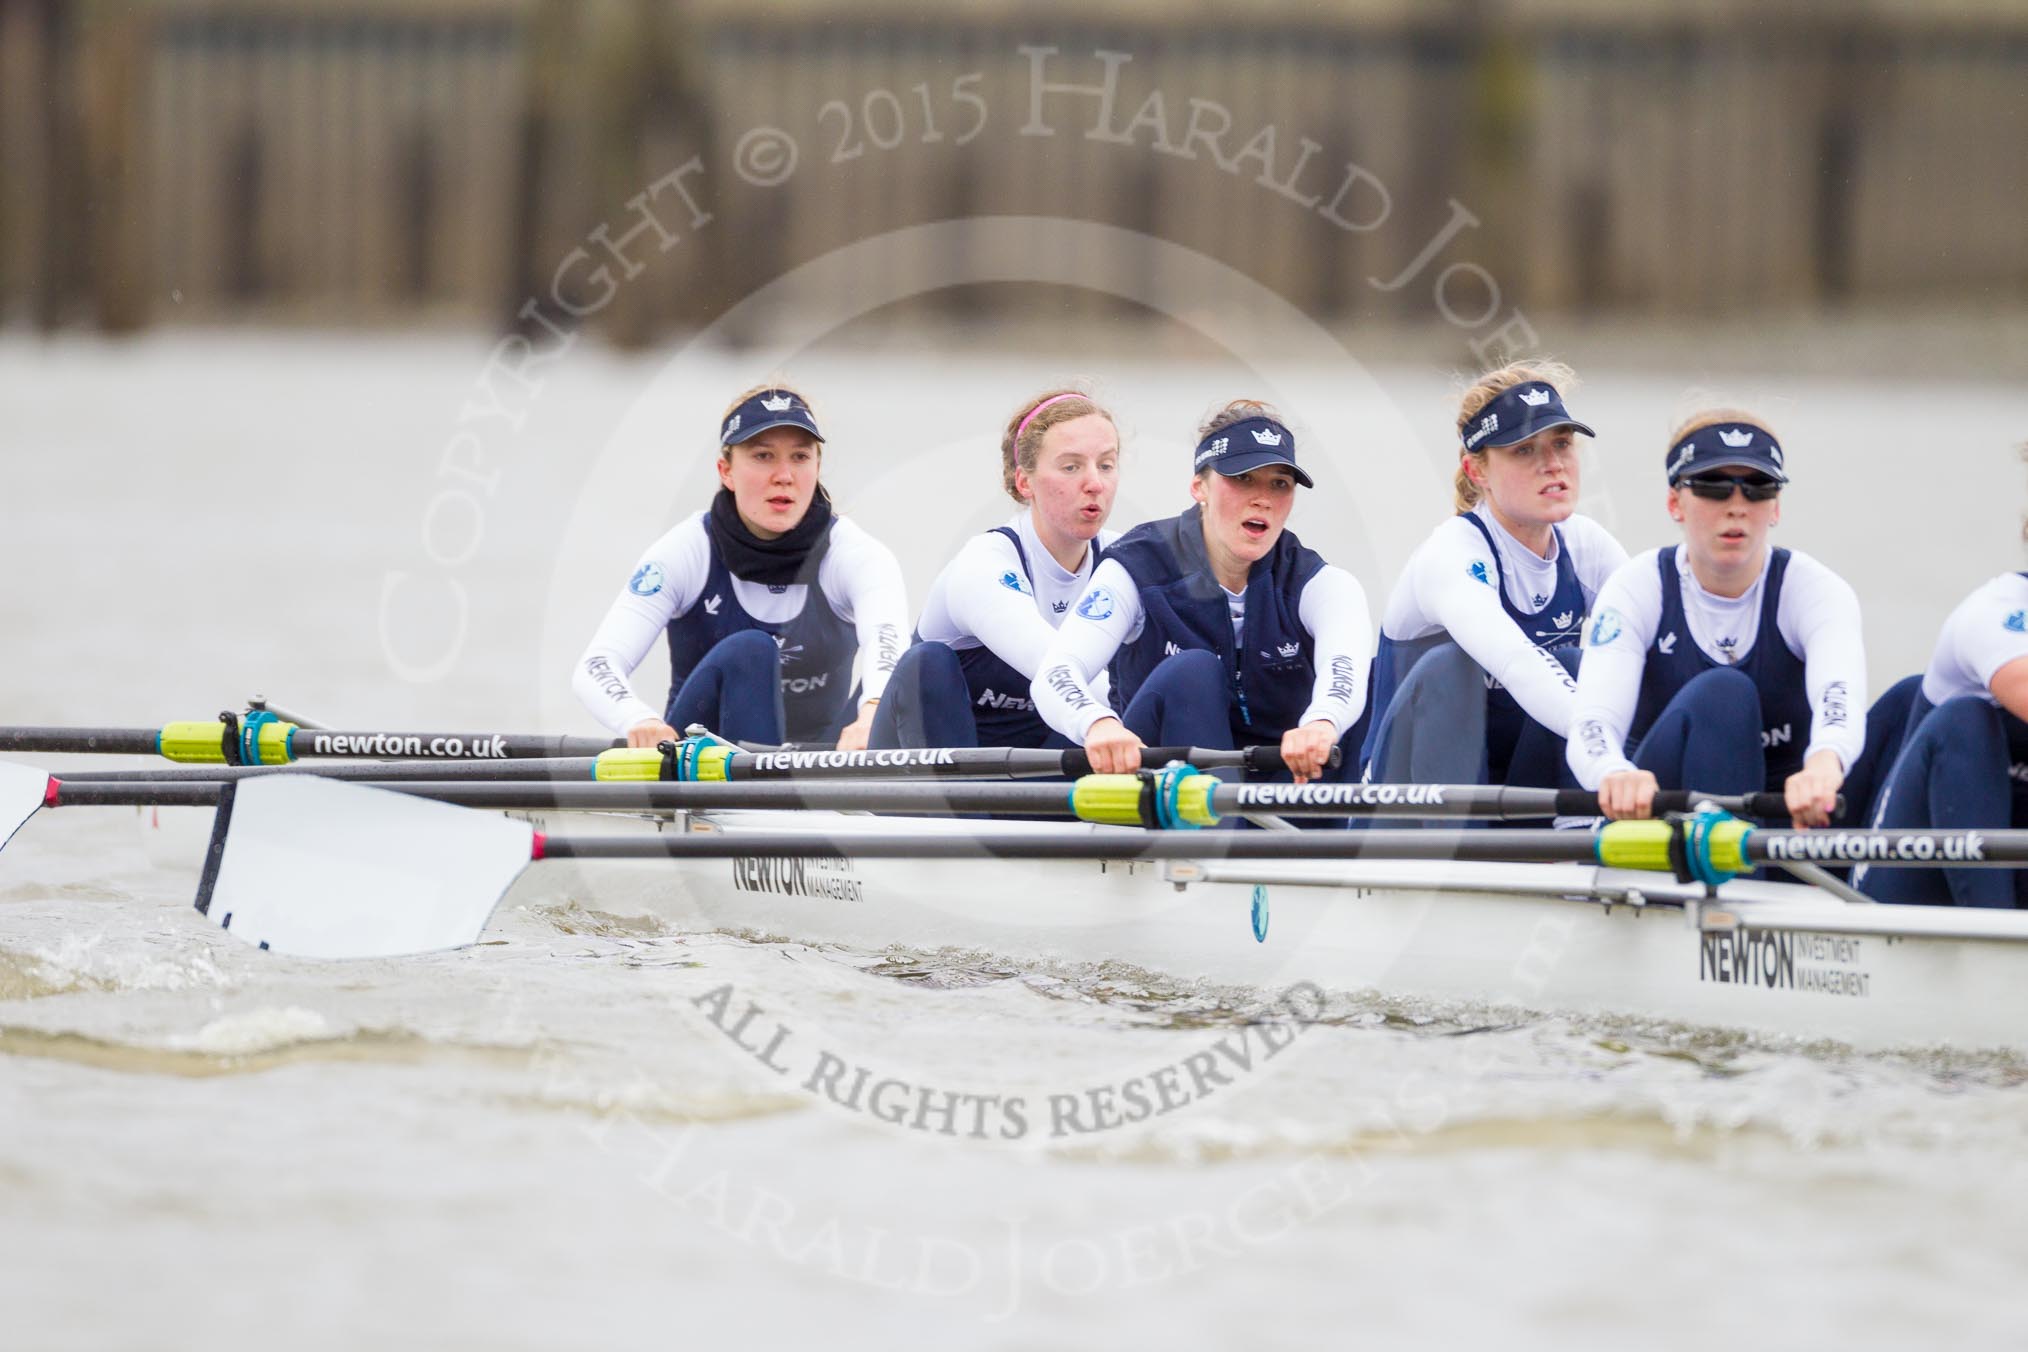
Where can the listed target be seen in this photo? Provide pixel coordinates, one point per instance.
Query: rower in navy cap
(1473, 682)
(765, 599)
(1221, 629)
(1722, 665)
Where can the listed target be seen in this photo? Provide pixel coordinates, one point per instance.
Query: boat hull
(1776, 959)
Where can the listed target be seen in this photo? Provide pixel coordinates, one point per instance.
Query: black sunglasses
(1718, 487)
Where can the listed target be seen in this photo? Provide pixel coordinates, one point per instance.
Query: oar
(1192, 799)
(725, 764)
(573, 769)
(325, 868)
(261, 739)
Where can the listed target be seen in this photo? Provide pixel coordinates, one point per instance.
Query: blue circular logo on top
(1605, 628)
(1097, 604)
(647, 580)
(1011, 580)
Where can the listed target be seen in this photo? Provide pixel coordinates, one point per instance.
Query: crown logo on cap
(778, 404)
(1535, 398)
(1736, 437)
(1267, 436)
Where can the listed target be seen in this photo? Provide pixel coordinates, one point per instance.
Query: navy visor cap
(1249, 444)
(1518, 413)
(1740, 445)
(763, 413)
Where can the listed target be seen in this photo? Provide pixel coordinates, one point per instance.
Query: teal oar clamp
(700, 757)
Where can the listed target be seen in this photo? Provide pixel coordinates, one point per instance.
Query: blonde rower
(1473, 682)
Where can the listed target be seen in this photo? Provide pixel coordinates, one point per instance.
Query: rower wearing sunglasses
(1721, 664)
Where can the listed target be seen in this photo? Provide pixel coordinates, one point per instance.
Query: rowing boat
(1785, 960)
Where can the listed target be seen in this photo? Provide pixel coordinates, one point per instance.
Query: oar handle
(1258, 759)
(1764, 806)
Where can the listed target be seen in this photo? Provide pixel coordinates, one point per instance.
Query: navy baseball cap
(1739, 445)
(1249, 444)
(1518, 413)
(763, 413)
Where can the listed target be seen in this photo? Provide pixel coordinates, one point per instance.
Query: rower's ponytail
(1483, 391)
(1021, 439)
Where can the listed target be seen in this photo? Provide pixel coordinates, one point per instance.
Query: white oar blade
(22, 788)
(324, 869)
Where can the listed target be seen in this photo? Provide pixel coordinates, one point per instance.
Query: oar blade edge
(325, 869)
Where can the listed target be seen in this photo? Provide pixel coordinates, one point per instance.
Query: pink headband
(1052, 399)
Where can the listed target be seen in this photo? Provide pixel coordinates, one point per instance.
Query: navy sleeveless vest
(1395, 658)
(817, 648)
(1674, 659)
(1183, 607)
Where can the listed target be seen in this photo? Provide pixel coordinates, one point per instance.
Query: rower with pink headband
(993, 610)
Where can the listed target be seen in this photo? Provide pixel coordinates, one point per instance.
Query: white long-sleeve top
(1440, 590)
(1332, 608)
(859, 576)
(984, 599)
(1817, 616)
(1988, 630)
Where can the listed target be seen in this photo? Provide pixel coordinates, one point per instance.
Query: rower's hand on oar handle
(1307, 750)
(854, 735)
(651, 733)
(1812, 791)
(1626, 794)
(1111, 748)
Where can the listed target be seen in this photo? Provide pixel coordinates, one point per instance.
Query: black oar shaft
(63, 741)
(514, 788)
(1055, 843)
(981, 762)
(1886, 848)
(319, 742)
(443, 745)
(574, 769)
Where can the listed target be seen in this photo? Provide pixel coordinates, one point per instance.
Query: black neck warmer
(790, 557)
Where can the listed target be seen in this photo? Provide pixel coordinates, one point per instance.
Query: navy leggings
(736, 691)
(1952, 776)
(1187, 701)
(1439, 729)
(1708, 738)
(928, 702)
